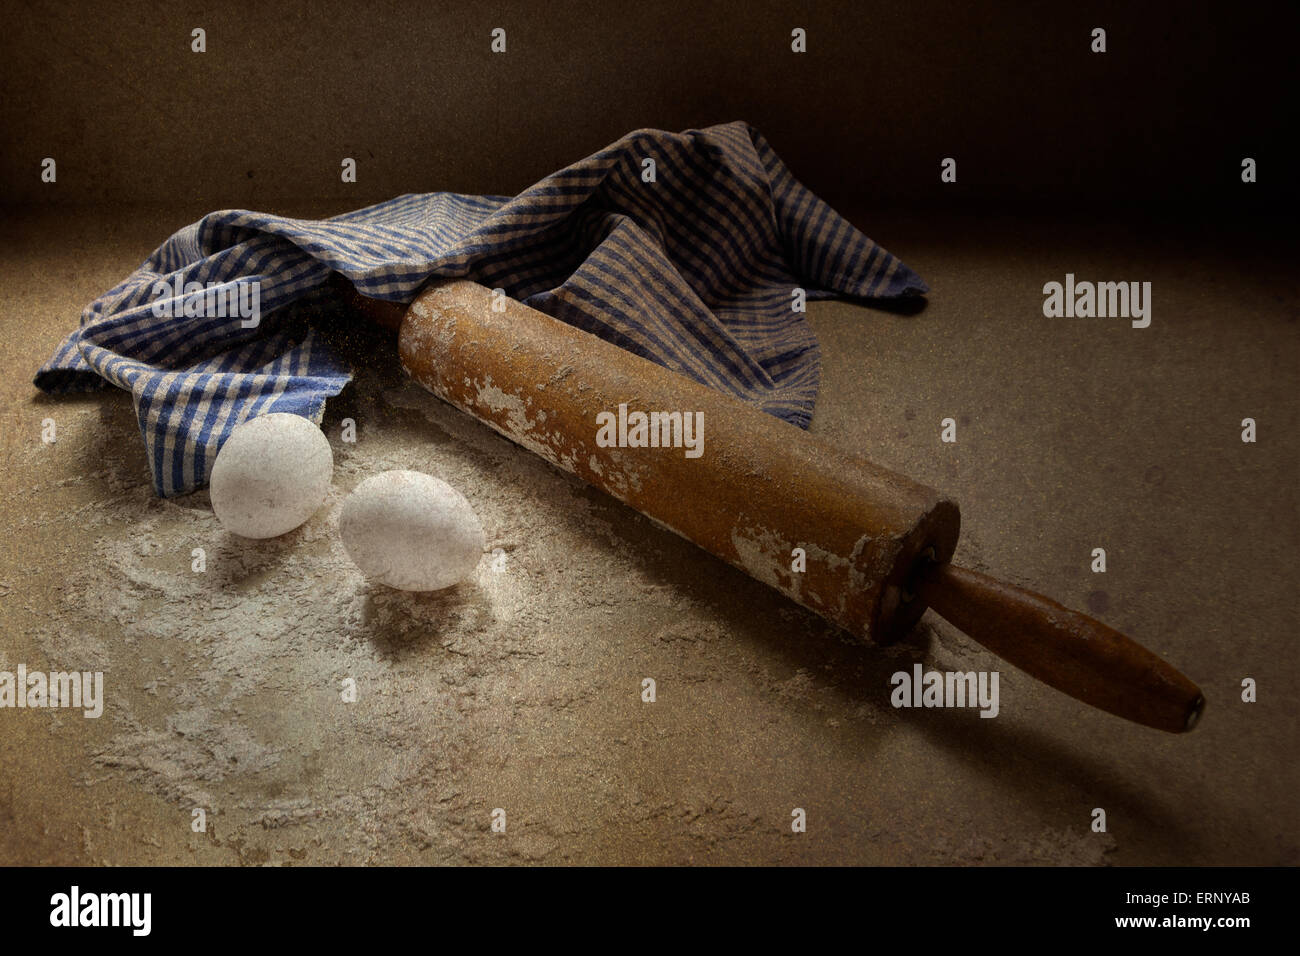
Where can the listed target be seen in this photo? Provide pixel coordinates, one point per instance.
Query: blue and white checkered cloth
(695, 271)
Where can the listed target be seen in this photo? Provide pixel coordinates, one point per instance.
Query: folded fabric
(694, 269)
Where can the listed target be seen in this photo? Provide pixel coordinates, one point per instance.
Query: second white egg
(411, 531)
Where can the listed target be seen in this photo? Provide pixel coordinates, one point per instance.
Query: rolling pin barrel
(836, 533)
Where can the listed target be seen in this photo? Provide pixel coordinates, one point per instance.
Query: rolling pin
(876, 545)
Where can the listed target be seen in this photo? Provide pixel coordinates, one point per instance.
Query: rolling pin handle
(1065, 649)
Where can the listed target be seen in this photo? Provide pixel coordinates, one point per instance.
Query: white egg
(411, 531)
(271, 475)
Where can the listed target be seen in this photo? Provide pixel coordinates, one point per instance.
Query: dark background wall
(412, 91)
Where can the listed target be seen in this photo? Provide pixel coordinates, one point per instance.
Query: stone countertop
(522, 689)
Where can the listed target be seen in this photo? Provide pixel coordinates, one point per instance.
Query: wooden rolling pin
(877, 544)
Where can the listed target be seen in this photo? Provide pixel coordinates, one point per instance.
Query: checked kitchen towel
(695, 270)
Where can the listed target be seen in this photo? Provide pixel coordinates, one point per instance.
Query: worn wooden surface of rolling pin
(860, 545)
